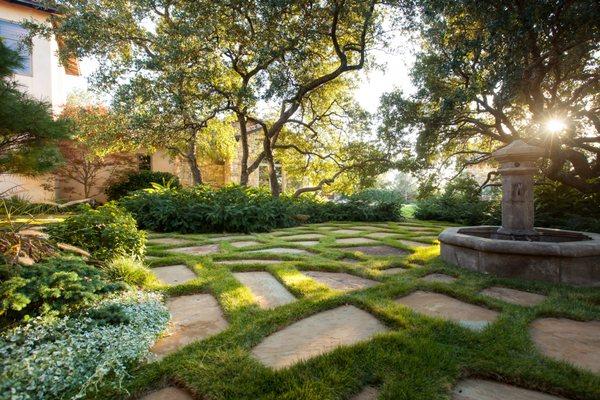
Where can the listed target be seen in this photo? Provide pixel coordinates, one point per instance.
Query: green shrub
(139, 180)
(460, 203)
(203, 209)
(106, 232)
(240, 209)
(74, 356)
(53, 286)
(560, 206)
(130, 271)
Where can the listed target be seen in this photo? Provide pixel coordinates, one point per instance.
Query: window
(12, 36)
(144, 163)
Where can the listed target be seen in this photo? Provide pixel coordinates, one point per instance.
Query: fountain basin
(557, 256)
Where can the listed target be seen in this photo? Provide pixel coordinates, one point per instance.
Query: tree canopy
(490, 72)
(28, 133)
(174, 65)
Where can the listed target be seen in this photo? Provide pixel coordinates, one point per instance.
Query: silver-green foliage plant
(69, 357)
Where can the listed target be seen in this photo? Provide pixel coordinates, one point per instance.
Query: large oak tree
(490, 72)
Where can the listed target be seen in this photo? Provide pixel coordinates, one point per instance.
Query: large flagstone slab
(167, 241)
(267, 290)
(229, 237)
(174, 274)
(248, 261)
(244, 243)
(307, 243)
(449, 308)
(169, 393)
(514, 296)
(341, 280)
(479, 389)
(316, 335)
(381, 235)
(393, 271)
(280, 250)
(194, 317)
(303, 236)
(346, 232)
(197, 250)
(356, 240)
(572, 341)
(411, 243)
(376, 250)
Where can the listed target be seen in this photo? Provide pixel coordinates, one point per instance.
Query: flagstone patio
(268, 291)
(174, 274)
(341, 280)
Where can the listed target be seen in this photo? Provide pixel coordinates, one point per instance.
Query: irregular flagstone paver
(572, 341)
(350, 260)
(280, 250)
(245, 243)
(174, 274)
(479, 389)
(169, 393)
(513, 296)
(430, 238)
(357, 240)
(247, 261)
(392, 271)
(376, 250)
(346, 231)
(194, 317)
(307, 243)
(368, 393)
(367, 227)
(381, 235)
(197, 250)
(303, 236)
(316, 335)
(236, 237)
(167, 241)
(442, 306)
(267, 290)
(411, 243)
(341, 280)
(439, 278)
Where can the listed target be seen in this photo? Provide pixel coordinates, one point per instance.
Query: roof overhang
(34, 4)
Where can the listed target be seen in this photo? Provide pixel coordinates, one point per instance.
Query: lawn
(418, 357)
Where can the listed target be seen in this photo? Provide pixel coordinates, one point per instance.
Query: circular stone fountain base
(556, 256)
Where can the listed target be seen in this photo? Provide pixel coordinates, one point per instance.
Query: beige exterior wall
(47, 82)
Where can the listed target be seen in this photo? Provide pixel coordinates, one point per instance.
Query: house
(44, 77)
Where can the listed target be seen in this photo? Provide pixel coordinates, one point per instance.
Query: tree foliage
(491, 72)
(28, 133)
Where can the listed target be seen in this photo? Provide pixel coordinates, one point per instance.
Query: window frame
(21, 72)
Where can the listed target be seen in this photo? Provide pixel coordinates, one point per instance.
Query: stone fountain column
(517, 167)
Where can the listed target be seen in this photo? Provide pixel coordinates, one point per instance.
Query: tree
(93, 154)
(490, 72)
(28, 133)
(179, 64)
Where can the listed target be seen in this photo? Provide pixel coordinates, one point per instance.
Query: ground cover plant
(106, 232)
(244, 209)
(53, 286)
(73, 356)
(417, 358)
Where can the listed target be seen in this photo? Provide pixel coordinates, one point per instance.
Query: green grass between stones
(419, 358)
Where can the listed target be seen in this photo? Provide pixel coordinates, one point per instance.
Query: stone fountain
(517, 249)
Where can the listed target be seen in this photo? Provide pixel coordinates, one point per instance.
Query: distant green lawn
(419, 358)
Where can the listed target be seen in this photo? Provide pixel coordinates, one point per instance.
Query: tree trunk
(193, 162)
(275, 188)
(244, 174)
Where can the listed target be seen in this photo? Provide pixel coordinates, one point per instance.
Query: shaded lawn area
(418, 358)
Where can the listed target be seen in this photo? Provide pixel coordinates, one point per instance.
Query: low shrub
(240, 209)
(74, 356)
(130, 271)
(460, 203)
(203, 209)
(53, 286)
(358, 207)
(139, 180)
(106, 232)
